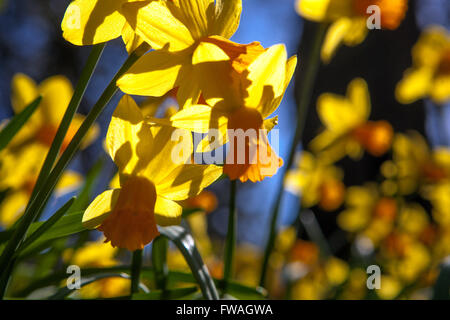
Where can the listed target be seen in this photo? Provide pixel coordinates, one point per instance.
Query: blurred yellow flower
(348, 19)
(88, 22)
(406, 258)
(367, 213)
(430, 74)
(192, 50)
(244, 111)
(19, 171)
(316, 182)
(98, 255)
(56, 94)
(414, 165)
(347, 128)
(151, 179)
(21, 161)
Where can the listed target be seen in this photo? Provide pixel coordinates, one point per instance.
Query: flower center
(375, 137)
(331, 194)
(433, 172)
(444, 64)
(47, 133)
(392, 11)
(250, 155)
(132, 223)
(386, 209)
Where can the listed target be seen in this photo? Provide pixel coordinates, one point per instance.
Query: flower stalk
(304, 95)
(230, 243)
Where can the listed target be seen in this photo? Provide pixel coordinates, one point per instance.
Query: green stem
(230, 243)
(136, 266)
(304, 98)
(72, 108)
(159, 261)
(38, 204)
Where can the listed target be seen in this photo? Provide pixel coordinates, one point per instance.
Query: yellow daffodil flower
(320, 280)
(244, 109)
(414, 165)
(406, 257)
(98, 255)
(368, 213)
(316, 182)
(430, 74)
(56, 94)
(88, 22)
(192, 52)
(19, 171)
(153, 175)
(348, 19)
(347, 128)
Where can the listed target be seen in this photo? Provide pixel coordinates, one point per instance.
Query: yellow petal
(157, 22)
(353, 220)
(89, 22)
(69, 182)
(440, 90)
(195, 14)
(24, 91)
(12, 207)
(227, 16)
(214, 140)
(416, 84)
(131, 40)
(187, 181)
(154, 74)
(170, 149)
(129, 139)
(358, 94)
(198, 118)
(358, 32)
(427, 52)
(267, 75)
(56, 94)
(334, 38)
(20, 165)
(337, 113)
(208, 52)
(270, 106)
(324, 10)
(167, 212)
(100, 208)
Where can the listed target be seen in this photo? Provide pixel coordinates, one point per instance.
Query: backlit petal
(167, 212)
(154, 74)
(89, 22)
(157, 22)
(100, 208)
(227, 17)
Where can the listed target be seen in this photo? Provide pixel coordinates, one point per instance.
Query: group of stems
(52, 170)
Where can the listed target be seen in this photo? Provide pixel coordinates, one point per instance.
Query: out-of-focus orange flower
(316, 182)
(348, 19)
(347, 126)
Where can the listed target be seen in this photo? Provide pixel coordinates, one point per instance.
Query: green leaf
(82, 201)
(66, 226)
(185, 243)
(16, 123)
(442, 285)
(65, 291)
(46, 225)
(165, 294)
(174, 277)
(159, 261)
